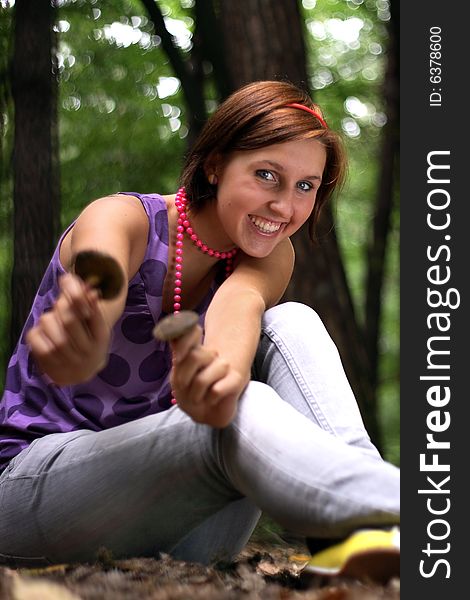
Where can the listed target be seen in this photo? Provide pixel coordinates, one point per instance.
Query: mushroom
(100, 271)
(176, 325)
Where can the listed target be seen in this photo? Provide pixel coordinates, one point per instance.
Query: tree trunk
(36, 193)
(5, 61)
(211, 45)
(188, 71)
(264, 40)
(385, 196)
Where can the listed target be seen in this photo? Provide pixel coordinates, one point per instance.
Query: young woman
(112, 438)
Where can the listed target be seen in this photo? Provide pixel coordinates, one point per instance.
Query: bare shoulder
(283, 256)
(119, 206)
(116, 212)
(116, 224)
(285, 251)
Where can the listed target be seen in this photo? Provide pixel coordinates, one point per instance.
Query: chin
(256, 245)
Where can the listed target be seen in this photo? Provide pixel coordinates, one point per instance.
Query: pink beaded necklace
(184, 226)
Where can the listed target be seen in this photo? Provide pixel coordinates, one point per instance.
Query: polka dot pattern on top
(135, 381)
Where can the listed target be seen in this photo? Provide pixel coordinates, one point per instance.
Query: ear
(212, 166)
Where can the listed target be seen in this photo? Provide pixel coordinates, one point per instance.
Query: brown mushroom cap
(174, 326)
(101, 271)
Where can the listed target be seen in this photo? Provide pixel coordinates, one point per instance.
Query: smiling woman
(258, 116)
(275, 189)
(143, 445)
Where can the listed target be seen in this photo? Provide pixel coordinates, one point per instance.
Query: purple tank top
(135, 382)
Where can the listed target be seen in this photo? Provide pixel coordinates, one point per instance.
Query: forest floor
(269, 568)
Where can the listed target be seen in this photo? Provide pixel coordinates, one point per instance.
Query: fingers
(40, 343)
(59, 329)
(181, 346)
(49, 339)
(230, 386)
(220, 406)
(67, 323)
(63, 340)
(205, 379)
(77, 296)
(199, 386)
(185, 371)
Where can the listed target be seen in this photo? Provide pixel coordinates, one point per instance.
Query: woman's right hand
(70, 342)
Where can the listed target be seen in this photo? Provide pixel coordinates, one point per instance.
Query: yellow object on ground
(366, 554)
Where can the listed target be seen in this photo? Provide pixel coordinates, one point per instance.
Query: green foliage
(120, 131)
(115, 123)
(6, 115)
(346, 48)
(346, 44)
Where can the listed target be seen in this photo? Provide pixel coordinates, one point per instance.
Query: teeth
(265, 226)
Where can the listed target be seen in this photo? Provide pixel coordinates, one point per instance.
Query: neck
(193, 260)
(207, 225)
(209, 222)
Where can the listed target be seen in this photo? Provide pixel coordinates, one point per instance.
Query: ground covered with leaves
(261, 572)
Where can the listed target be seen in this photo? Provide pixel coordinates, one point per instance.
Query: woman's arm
(70, 342)
(208, 380)
(233, 320)
(118, 226)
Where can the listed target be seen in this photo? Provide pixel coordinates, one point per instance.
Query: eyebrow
(280, 167)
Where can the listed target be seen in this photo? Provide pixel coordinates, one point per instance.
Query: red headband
(311, 111)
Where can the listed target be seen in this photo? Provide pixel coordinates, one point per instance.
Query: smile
(263, 225)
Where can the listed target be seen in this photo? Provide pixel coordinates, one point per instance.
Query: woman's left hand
(205, 385)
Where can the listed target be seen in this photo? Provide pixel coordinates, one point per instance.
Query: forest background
(99, 96)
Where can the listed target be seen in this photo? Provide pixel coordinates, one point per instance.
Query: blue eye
(305, 186)
(265, 174)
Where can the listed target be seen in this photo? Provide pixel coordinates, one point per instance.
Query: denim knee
(296, 322)
(254, 404)
(291, 314)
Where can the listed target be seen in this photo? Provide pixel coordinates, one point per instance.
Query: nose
(282, 206)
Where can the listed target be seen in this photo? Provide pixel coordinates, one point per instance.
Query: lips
(264, 225)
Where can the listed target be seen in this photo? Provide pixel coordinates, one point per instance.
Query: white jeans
(297, 449)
